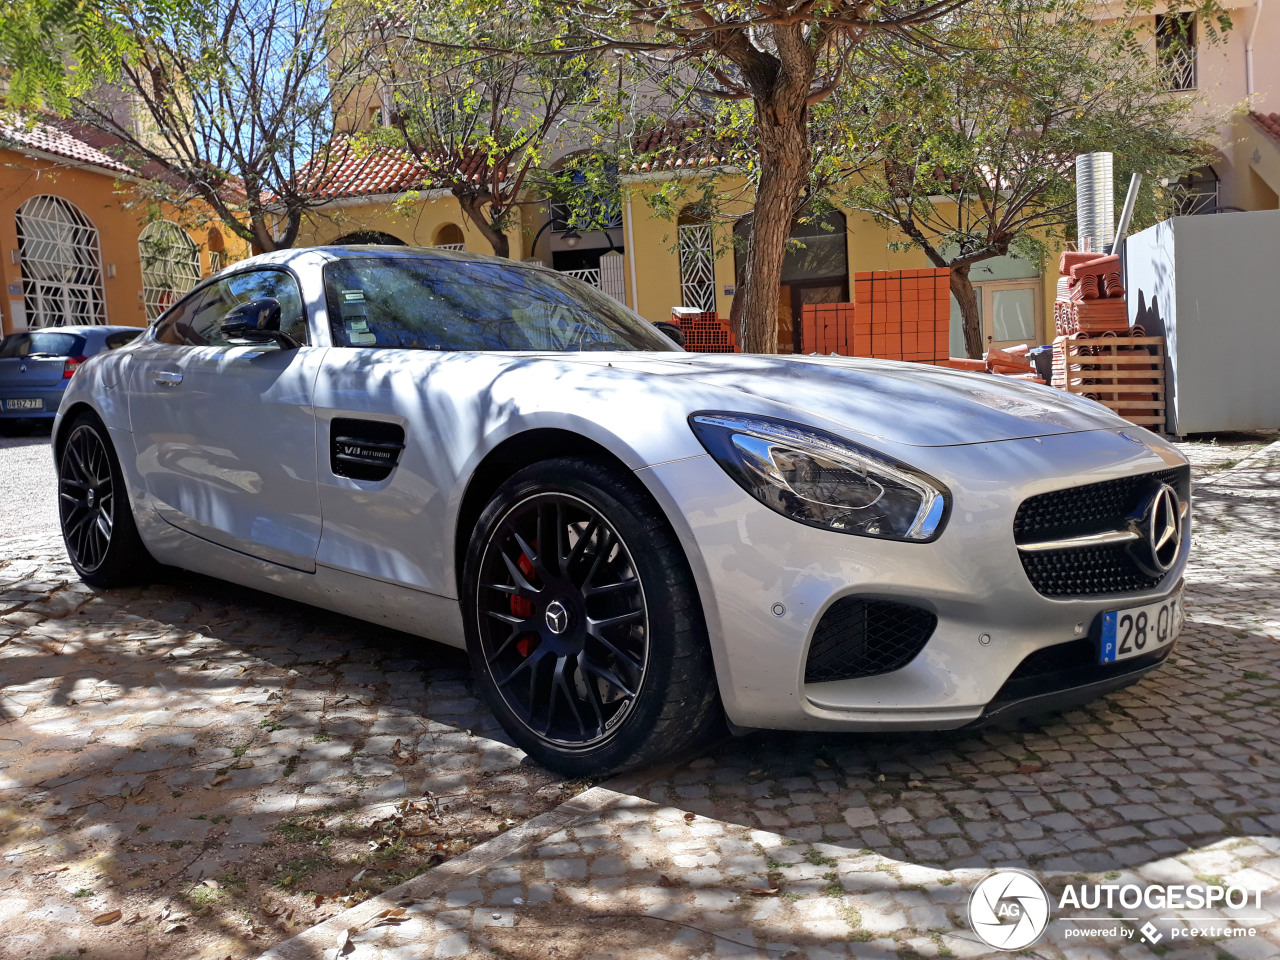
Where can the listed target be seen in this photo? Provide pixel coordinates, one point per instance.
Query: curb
(316, 941)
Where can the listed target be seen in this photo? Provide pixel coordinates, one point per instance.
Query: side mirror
(254, 322)
(671, 330)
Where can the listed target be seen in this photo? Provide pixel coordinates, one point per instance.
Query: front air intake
(866, 638)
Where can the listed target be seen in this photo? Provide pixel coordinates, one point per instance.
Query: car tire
(594, 657)
(97, 522)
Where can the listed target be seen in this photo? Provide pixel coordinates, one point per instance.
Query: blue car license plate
(1137, 630)
(36, 404)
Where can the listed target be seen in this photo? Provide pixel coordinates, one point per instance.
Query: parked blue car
(37, 365)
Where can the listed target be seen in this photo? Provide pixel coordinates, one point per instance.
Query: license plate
(36, 404)
(1137, 630)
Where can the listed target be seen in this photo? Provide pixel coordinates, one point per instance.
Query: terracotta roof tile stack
(1012, 362)
(1090, 295)
(704, 331)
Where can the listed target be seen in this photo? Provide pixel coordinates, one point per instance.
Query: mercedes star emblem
(557, 617)
(1162, 528)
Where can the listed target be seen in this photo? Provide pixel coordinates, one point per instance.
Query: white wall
(1211, 286)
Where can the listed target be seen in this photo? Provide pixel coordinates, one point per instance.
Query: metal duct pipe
(1095, 201)
(1130, 200)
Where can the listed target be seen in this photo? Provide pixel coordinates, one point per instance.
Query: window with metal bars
(1176, 48)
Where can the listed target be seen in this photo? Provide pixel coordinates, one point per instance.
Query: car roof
(331, 252)
(81, 329)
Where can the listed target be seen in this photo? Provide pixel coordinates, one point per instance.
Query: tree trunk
(474, 208)
(967, 297)
(784, 166)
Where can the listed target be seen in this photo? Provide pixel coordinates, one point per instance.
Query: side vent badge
(364, 449)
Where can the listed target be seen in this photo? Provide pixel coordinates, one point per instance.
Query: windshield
(41, 344)
(425, 303)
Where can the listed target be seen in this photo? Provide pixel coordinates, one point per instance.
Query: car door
(225, 435)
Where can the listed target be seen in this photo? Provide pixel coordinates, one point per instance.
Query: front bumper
(765, 582)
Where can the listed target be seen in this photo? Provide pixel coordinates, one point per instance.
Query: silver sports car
(635, 544)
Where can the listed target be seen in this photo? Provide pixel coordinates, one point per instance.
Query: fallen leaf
(754, 773)
(175, 928)
(51, 871)
(395, 748)
(102, 919)
(358, 877)
(914, 783)
(317, 900)
(136, 918)
(211, 884)
(880, 779)
(665, 881)
(763, 891)
(690, 817)
(344, 942)
(218, 781)
(821, 764)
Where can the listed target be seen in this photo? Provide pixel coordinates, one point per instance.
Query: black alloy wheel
(583, 622)
(566, 631)
(86, 498)
(93, 506)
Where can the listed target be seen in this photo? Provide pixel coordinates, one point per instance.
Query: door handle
(167, 378)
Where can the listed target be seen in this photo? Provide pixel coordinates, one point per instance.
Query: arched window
(449, 237)
(170, 265)
(217, 250)
(697, 260)
(61, 264)
(361, 237)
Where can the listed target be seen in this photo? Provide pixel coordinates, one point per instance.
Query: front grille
(1093, 570)
(1092, 508)
(865, 638)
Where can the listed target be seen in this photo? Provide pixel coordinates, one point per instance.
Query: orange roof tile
(18, 135)
(1269, 122)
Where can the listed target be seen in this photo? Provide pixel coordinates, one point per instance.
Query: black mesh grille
(865, 638)
(1092, 508)
(1097, 507)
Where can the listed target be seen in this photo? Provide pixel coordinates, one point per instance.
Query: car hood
(908, 403)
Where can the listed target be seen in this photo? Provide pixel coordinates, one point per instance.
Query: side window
(277, 284)
(197, 322)
(175, 327)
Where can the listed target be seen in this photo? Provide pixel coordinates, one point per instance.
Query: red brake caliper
(523, 607)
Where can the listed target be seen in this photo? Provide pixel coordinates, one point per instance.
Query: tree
(968, 147)
(54, 49)
(233, 103)
(483, 125)
(779, 58)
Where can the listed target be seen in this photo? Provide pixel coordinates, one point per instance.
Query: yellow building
(76, 243)
(653, 262)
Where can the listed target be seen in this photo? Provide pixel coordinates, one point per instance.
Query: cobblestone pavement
(773, 845)
(205, 760)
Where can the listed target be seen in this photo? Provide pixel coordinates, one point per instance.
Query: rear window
(115, 340)
(42, 343)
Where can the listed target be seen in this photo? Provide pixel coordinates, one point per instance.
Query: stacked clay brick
(896, 315)
(704, 331)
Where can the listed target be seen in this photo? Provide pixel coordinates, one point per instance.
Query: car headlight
(823, 480)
